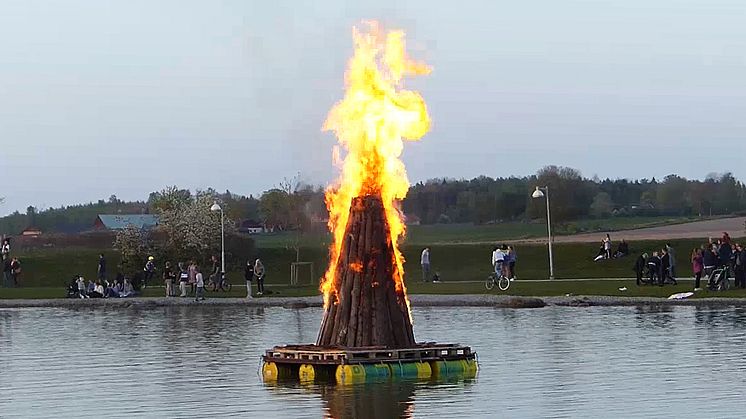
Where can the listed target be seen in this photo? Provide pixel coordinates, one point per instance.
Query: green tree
(601, 205)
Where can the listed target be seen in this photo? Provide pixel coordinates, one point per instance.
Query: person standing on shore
(7, 278)
(739, 265)
(259, 272)
(607, 246)
(640, 267)
(672, 259)
(5, 252)
(498, 260)
(665, 269)
(709, 262)
(149, 269)
(200, 293)
(425, 263)
(15, 271)
(511, 258)
(248, 275)
(168, 279)
(101, 270)
(183, 279)
(192, 270)
(697, 267)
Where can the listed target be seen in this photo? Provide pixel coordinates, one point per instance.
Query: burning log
(368, 310)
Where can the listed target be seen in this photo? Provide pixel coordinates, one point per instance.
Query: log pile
(369, 310)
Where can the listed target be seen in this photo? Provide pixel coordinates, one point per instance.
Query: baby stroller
(650, 274)
(718, 280)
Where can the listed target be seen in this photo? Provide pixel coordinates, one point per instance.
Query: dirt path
(698, 229)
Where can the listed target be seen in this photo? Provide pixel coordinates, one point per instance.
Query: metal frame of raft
(373, 363)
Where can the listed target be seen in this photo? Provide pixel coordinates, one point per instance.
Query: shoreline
(417, 300)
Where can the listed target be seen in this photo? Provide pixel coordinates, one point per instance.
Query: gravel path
(500, 301)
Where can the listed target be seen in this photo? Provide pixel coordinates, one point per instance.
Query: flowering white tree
(132, 243)
(191, 228)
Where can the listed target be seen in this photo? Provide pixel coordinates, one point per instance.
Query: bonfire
(365, 298)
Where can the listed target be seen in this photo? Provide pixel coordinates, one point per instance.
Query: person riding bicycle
(498, 257)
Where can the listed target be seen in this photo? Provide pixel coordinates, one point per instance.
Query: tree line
(487, 200)
(294, 205)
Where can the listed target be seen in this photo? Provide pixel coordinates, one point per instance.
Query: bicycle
(502, 282)
(222, 285)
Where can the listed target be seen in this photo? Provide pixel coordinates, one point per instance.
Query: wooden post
(369, 310)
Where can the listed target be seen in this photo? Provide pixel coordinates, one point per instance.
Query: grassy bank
(454, 263)
(517, 288)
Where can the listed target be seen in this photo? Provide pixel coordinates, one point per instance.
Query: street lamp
(540, 193)
(216, 207)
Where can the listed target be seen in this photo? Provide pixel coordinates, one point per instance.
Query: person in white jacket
(425, 263)
(498, 257)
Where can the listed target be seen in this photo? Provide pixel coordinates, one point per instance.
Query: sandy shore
(417, 301)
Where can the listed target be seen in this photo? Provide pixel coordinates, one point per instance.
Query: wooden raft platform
(334, 355)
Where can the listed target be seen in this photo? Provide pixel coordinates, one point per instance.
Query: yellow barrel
(470, 368)
(447, 368)
(270, 372)
(350, 374)
(306, 373)
(411, 370)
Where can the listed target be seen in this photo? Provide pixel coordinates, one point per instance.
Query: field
(426, 235)
(459, 254)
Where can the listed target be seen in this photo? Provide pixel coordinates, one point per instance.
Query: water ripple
(684, 362)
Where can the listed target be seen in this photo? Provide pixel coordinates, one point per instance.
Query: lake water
(199, 362)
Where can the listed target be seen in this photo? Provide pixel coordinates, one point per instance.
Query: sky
(126, 97)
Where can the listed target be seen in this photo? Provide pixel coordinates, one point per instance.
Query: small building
(31, 232)
(122, 221)
(251, 227)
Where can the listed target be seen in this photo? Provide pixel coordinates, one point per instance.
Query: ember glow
(370, 123)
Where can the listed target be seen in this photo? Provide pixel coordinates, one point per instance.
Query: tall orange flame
(376, 114)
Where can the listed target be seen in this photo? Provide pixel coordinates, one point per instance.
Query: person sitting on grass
(127, 289)
(601, 252)
(622, 250)
(98, 291)
(82, 291)
(112, 290)
(72, 288)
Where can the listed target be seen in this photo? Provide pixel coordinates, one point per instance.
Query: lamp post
(540, 193)
(216, 207)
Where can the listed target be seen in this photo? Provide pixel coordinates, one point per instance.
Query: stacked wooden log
(369, 311)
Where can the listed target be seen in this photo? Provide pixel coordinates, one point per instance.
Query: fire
(371, 122)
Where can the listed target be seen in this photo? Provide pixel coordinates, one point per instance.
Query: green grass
(469, 233)
(517, 288)
(453, 262)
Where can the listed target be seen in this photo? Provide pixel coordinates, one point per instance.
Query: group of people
(604, 252)
(11, 266)
(121, 287)
(657, 268)
(503, 261)
(721, 254)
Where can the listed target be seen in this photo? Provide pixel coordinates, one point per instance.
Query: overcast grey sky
(125, 97)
